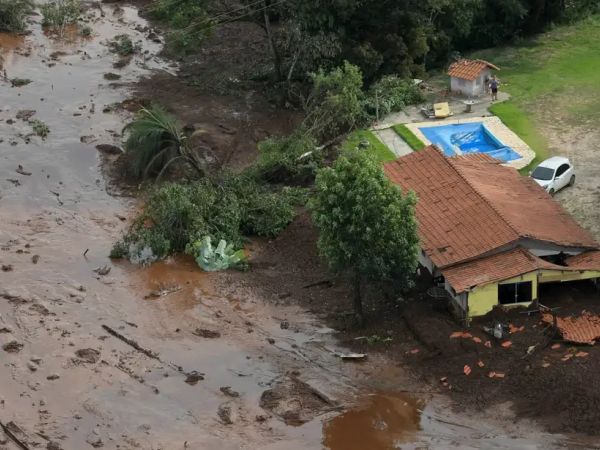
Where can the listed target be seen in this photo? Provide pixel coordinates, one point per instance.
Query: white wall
(473, 88)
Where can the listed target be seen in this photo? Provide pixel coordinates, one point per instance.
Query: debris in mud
(20, 82)
(294, 401)
(112, 76)
(26, 114)
(229, 392)
(7, 267)
(12, 347)
(15, 433)
(193, 378)
(31, 366)
(351, 356)
(35, 259)
(131, 343)
(284, 325)
(109, 149)
(52, 445)
(22, 171)
(88, 355)
(87, 139)
(40, 309)
(53, 376)
(163, 290)
(104, 270)
(14, 181)
(225, 413)
(94, 440)
(209, 334)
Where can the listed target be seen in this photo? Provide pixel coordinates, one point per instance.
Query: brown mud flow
(165, 357)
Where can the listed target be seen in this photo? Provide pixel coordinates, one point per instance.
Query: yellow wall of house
(483, 298)
(547, 276)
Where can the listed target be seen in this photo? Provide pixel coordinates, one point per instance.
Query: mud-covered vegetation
(176, 216)
(59, 14)
(14, 13)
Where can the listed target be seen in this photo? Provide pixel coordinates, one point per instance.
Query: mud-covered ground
(97, 354)
(547, 384)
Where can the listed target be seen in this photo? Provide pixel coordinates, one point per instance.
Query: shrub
(13, 14)
(391, 94)
(40, 128)
(187, 18)
(122, 45)
(177, 215)
(60, 13)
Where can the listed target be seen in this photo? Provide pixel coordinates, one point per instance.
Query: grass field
(409, 137)
(554, 78)
(380, 150)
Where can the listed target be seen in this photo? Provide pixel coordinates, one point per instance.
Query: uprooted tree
(366, 225)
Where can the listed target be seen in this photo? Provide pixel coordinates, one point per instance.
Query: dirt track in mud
(166, 357)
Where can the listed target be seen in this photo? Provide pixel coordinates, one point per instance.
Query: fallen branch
(131, 343)
(327, 283)
(14, 438)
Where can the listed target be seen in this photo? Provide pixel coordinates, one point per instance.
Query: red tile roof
(470, 206)
(585, 261)
(498, 267)
(469, 69)
(522, 204)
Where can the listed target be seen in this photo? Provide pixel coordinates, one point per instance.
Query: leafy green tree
(366, 225)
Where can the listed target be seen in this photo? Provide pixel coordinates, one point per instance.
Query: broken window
(514, 293)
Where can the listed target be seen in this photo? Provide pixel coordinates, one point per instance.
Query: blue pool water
(471, 137)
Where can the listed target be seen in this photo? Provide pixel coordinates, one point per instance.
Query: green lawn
(413, 141)
(554, 78)
(380, 150)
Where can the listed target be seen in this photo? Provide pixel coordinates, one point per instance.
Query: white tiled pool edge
(495, 126)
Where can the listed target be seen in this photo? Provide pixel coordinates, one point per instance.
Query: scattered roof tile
(582, 329)
(469, 69)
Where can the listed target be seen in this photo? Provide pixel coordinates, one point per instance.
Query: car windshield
(542, 173)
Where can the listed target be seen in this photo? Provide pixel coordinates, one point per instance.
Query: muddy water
(57, 223)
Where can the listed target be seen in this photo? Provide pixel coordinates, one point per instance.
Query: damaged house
(488, 234)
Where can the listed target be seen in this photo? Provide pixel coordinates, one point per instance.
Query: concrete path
(394, 142)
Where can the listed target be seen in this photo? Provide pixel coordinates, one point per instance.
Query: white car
(554, 174)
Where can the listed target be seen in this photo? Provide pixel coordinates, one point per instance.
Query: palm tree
(155, 141)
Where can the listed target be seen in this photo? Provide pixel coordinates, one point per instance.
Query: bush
(60, 13)
(13, 14)
(391, 94)
(189, 21)
(122, 45)
(287, 158)
(177, 215)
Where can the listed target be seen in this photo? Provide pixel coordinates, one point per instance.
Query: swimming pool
(472, 137)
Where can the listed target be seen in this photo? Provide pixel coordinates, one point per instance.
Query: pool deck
(495, 126)
(413, 119)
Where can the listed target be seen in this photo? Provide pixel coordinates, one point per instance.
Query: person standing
(494, 83)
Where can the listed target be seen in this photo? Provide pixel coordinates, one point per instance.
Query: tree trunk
(358, 309)
(276, 57)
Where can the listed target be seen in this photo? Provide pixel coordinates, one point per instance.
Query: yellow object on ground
(441, 110)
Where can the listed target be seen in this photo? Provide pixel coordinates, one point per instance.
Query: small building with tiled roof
(488, 233)
(470, 76)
